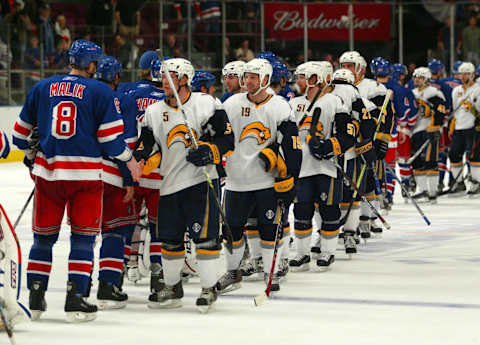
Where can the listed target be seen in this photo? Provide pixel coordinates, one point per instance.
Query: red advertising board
(327, 22)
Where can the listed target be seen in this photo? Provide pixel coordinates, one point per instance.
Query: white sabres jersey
(424, 95)
(463, 101)
(255, 128)
(370, 88)
(171, 134)
(330, 104)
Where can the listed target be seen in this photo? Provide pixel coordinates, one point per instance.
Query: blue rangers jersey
(442, 85)
(4, 145)
(132, 85)
(226, 96)
(115, 172)
(287, 93)
(78, 120)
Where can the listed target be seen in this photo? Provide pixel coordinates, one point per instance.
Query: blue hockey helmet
(269, 56)
(398, 69)
(383, 68)
(202, 78)
(82, 52)
(147, 58)
(107, 68)
(436, 66)
(455, 67)
(373, 65)
(280, 70)
(156, 70)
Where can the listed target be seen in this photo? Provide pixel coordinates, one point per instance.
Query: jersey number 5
(64, 120)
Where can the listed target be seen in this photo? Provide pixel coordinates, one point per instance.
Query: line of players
(271, 155)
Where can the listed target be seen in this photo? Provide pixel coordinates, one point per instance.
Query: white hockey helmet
(328, 71)
(318, 68)
(355, 58)
(466, 67)
(234, 67)
(344, 74)
(261, 67)
(422, 72)
(180, 66)
(300, 69)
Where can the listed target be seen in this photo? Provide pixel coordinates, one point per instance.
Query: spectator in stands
(33, 61)
(100, 14)
(62, 31)
(471, 41)
(229, 53)
(127, 15)
(59, 59)
(123, 50)
(32, 8)
(5, 59)
(171, 48)
(46, 26)
(21, 26)
(244, 52)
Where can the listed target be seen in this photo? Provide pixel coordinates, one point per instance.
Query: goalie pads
(10, 273)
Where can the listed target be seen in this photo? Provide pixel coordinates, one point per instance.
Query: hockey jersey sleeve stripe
(109, 134)
(2, 143)
(131, 142)
(69, 165)
(21, 131)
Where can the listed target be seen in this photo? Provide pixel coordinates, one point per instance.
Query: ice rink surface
(417, 285)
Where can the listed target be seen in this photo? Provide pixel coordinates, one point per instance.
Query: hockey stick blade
(260, 299)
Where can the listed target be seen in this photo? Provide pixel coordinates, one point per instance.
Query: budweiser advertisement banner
(327, 22)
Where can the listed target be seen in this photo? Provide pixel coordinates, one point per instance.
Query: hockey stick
(23, 209)
(5, 323)
(419, 152)
(260, 299)
(228, 231)
(414, 202)
(362, 196)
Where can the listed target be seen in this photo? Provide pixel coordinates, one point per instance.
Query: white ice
(417, 285)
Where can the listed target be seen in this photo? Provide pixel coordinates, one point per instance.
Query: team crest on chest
(257, 131)
(180, 133)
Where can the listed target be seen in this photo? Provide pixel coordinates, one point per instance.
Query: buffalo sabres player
(319, 181)
(466, 101)
(186, 201)
(263, 126)
(232, 78)
(430, 118)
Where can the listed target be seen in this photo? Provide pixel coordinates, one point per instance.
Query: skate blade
(231, 288)
(350, 255)
(254, 277)
(108, 305)
(302, 268)
(321, 269)
(171, 304)
(260, 299)
(376, 236)
(35, 314)
(204, 309)
(78, 316)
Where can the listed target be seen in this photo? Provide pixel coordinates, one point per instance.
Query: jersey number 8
(64, 120)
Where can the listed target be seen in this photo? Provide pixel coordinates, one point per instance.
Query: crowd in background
(40, 33)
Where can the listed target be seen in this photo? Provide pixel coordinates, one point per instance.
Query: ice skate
(167, 298)
(76, 306)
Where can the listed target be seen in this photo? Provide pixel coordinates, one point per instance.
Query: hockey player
(427, 127)
(466, 101)
(147, 192)
(144, 73)
(204, 81)
(319, 181)
(186, 203)
(363, 114)
(262, 123)
(4, 145)
(405, 125)
(78, 120)
(279, 84)
(232, 78)
(437, 68)
(119, 216)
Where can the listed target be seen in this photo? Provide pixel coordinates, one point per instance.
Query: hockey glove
(284, 189)
(365, 149)
(205, 154)
(320, 148)
(269, 156)
(381, 149)
(152, 163)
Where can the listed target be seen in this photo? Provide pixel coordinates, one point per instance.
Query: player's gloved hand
(205, 154)
(28, 162)
(285, 189)
(365, 149)
(268, 156)
(29, 158)
(381, 149)
(320, 148)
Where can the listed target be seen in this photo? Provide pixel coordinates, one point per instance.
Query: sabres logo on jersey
(256, 130)
(308, 122)
(180, 133)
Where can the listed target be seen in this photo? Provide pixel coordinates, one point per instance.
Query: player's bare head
(83, 56)
(353, 61)
(232, 76)
(421, 77)
(256, 75)
(181, 72)
(467, 72)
